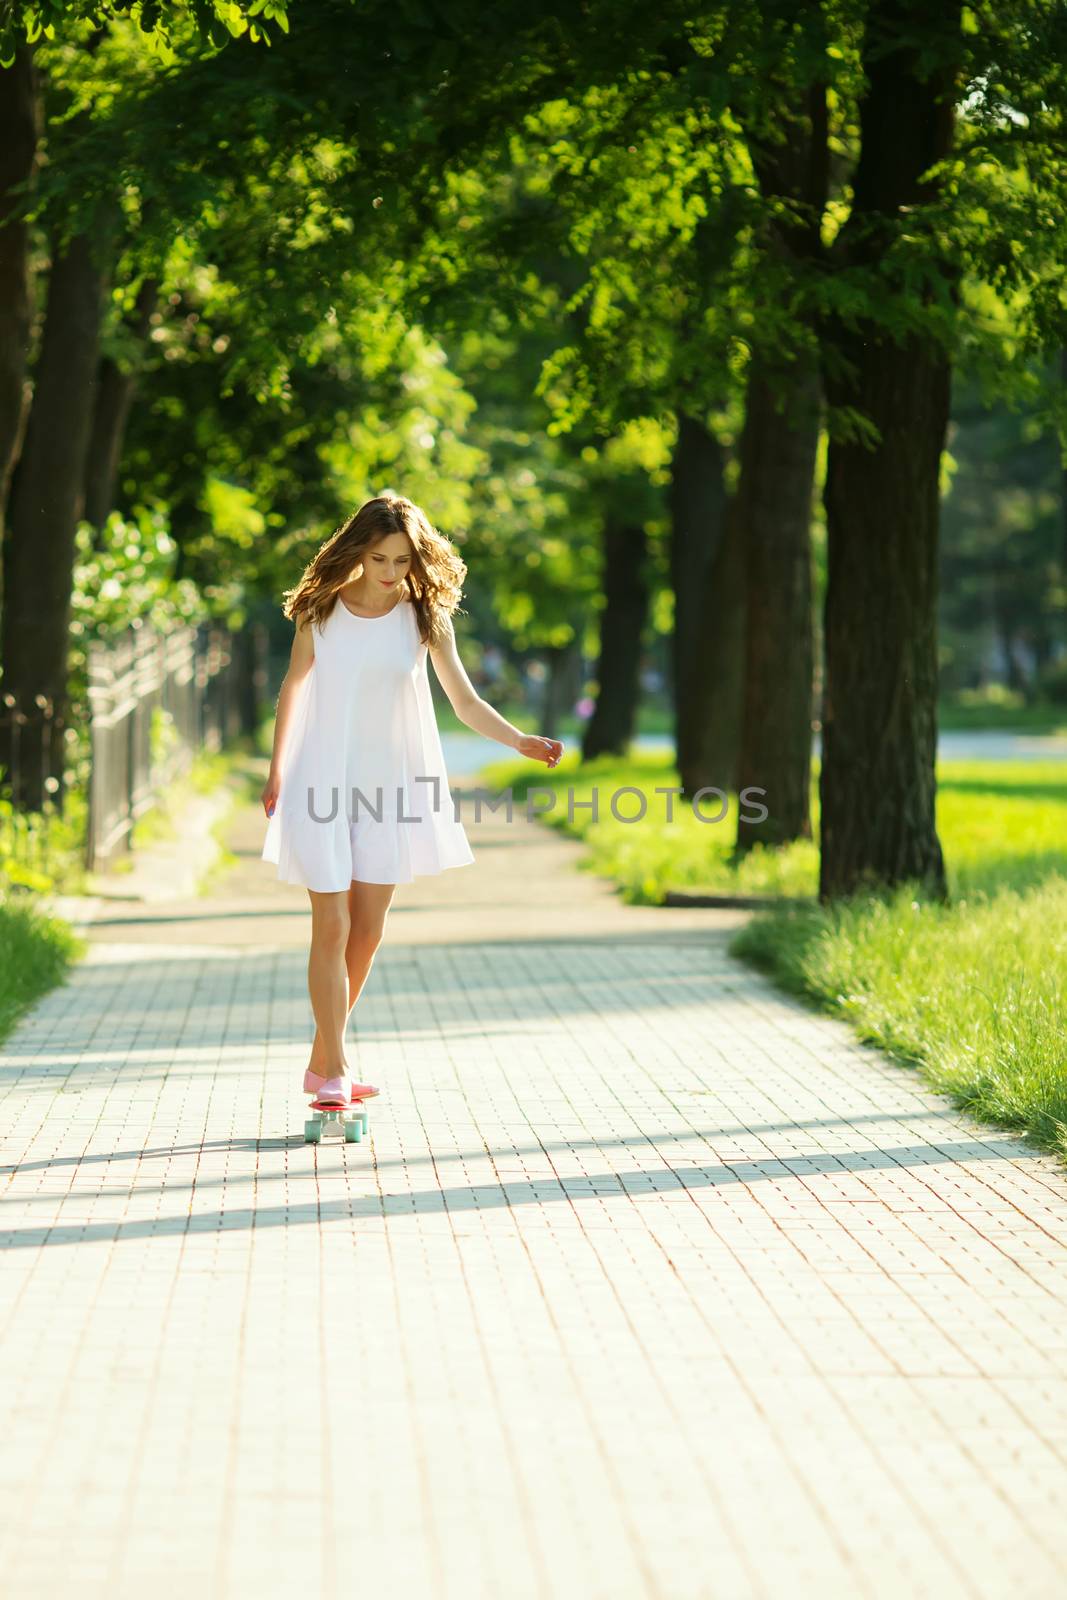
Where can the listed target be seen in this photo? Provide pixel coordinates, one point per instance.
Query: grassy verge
(648, 856)
(45, 851)
(1002, 824)
(971, 993)
(1001, 711)
(38, 952)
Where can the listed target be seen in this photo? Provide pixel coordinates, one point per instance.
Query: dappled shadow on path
(623, 1141)
(154, 1018)
(494, 1196)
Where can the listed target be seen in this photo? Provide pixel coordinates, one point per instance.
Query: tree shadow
(253, 1145)
(494, 1196)
(424, 988)
(993, 873)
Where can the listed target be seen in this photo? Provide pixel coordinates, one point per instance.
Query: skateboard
(351, 1121)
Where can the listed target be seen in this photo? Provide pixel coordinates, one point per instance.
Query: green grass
(46, 854)
(38, 951)
(1040, 719)
(649, 856)
(972, 993)
(999, 709)
(1001, 823)
(44, 851)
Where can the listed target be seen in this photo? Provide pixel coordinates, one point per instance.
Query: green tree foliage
(487, 255)
(216, 21)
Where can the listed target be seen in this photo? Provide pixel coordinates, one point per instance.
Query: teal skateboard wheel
(351, 1123)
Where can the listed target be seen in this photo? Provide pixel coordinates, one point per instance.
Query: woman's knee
(368, 908)
(330, 927)
(365, 937)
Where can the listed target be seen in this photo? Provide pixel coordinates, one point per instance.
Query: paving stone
(651, 1284)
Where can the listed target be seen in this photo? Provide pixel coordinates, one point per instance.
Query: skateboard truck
(351, 1121)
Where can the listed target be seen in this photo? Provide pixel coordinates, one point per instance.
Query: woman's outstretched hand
(271, 790)
(540, 749)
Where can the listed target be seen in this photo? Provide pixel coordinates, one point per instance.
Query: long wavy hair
(433, 582)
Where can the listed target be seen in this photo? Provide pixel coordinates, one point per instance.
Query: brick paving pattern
(651, 1283)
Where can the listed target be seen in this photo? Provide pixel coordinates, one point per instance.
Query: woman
(357, 795)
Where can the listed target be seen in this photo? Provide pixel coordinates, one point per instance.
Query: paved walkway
(650, 1286)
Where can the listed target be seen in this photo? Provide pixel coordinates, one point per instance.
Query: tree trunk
(561, 685)
(777, 478)
(705, 646)
(709, 726)
(878, 778)
(622, 626)
(1042, 640)
(697, 502)
(18, 149)
(114, 394)
(1063, 476)
(778, 451)
(46, 505)
(1006, 628)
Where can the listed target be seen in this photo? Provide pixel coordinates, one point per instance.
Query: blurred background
(567, 280)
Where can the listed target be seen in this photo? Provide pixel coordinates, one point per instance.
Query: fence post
(93, 665)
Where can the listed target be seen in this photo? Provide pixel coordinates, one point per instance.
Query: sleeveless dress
(364, 791)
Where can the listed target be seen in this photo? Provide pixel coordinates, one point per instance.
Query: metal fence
(154, 701)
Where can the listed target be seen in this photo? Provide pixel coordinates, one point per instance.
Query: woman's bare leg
(328, 977)
(368, 907)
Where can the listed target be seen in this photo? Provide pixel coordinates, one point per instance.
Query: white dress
(364, 791)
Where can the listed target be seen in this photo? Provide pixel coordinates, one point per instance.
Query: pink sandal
(332, 1093)
(333, 1090)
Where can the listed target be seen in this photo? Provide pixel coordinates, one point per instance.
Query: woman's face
(388, 562)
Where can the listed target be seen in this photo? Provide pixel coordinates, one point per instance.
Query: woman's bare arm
(301, 661)
(477, 714)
